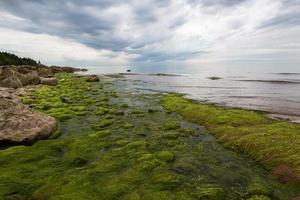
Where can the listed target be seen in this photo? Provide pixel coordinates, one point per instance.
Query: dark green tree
(11, 59)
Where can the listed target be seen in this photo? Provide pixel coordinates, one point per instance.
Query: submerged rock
(20, 124)
(214, 78)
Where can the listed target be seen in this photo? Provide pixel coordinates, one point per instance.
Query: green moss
(137, 144)
(103, 124)
(148, 162)
(258, 189)
(186, 132)
(101, 111)
(133, 196)
(161, 195)
(210, 193)
(166, 156)
(111, 110)
(269, 141)
(127, 125)
(171, 135)
(97, 158)
(102, 133)
(186, 163)
(164, 179)
(64, 101)
(259, 197)
(171, 125)
(56, 133)
(26, 100)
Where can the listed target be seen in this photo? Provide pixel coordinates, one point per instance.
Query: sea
(275, 90)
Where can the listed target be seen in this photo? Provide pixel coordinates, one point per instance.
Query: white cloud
(55, 50)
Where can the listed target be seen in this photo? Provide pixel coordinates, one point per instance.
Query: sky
(152, 32)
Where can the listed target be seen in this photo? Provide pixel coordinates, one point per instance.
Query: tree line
(12, 59)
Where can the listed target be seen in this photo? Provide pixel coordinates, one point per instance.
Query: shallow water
(273, 89)
(124, 163)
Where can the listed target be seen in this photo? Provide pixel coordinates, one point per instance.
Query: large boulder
(31, 78)
(49, 81)
(16, 77)
(20, 124)
(10, 78)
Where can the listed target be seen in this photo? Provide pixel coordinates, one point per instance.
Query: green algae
(64, 101)
(166, 156)
(209, 192)
(127, 125)
(271, 142)
(259, 197)
(170, 125)
(97, 157)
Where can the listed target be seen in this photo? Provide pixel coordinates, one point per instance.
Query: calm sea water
(272, 89)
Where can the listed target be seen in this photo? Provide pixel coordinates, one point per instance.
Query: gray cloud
(139, 28)
(216, 2)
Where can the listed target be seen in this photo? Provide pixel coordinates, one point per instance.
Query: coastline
(279, 100)
(107, 128)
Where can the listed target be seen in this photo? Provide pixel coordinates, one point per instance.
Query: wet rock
(92, 78)
(21, 125)
(49, 81)
(214, 78)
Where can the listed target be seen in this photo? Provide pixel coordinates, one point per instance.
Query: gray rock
(49, 81)
(20, 124)
(12, 78)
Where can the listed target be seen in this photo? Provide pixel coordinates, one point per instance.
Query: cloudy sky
(152, 32)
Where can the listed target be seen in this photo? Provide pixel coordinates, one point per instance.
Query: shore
(121, 143)
(271, 93)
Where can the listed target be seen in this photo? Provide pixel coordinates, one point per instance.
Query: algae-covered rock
(20, 124)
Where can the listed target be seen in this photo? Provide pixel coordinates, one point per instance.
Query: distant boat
(128, 70)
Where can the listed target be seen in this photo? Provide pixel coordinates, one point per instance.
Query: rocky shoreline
(120, 143)
(19, 124)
